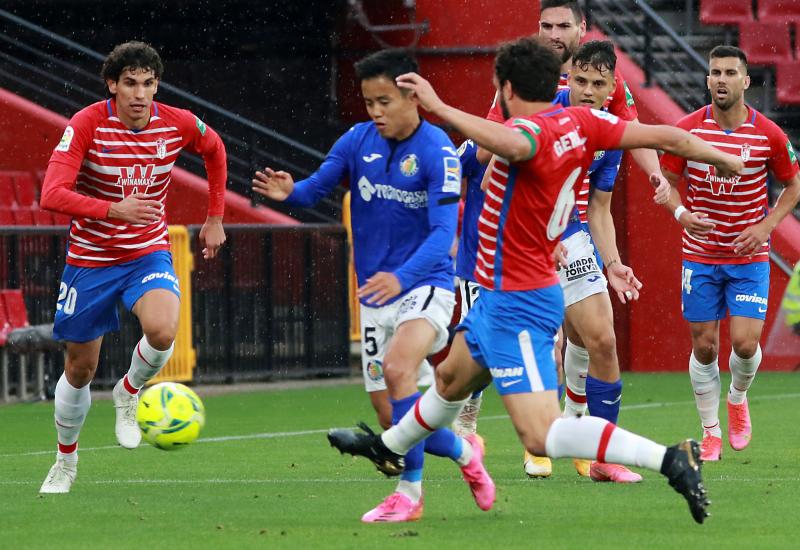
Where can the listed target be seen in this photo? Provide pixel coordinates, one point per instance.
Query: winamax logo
(718, 184)
(136, 179)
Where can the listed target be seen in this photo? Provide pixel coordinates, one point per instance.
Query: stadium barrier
(271, 306)
(352, 282)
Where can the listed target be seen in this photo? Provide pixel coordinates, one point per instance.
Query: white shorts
(470, 291)
(378, 325)
(582, 277)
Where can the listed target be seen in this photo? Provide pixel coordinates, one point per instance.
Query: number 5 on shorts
(69, 296)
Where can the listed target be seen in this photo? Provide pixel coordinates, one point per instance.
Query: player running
(508, 336)
(111, 172)
(726, 242)
(406, 181)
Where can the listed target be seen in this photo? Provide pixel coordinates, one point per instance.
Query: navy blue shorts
(88, 296)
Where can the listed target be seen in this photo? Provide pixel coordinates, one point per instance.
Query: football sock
(415, 457)
(604, 398)
(71, 407)
(429, 413)
(411, 489)
(576, 368)
(742, 373)
(477, 394)
(706, 386)
(597, 439)
(443, 442)
(146, 361)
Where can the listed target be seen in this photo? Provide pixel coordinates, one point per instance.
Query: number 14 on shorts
(686, 278)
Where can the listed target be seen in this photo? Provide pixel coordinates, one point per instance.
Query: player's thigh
(411, 343)
(702, 292)
(81, 359)
(86, 307)
(432, 304)
(582, 277)
(593, 320)
(571, 334)
(532, 414)
(459, 375)
(152, 293)
(375, 335)
(745, 335)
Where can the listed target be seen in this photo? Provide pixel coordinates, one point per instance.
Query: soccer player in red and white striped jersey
(111, 172)
(726, 241)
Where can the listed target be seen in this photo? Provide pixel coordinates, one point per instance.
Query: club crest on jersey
(718, 184)
(409, 165)
(161, 148)
(136, 178)
(745, 152)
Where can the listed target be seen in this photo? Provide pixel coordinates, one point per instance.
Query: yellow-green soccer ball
(170, 415)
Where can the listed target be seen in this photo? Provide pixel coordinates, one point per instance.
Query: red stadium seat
(725, 12)
(23, 217)
(7, 195)
(43, 217)
(787, 89)
(765, 43)
(776, 11)
(15, 308)
(6, 216)
(61, 219)
(25, 189)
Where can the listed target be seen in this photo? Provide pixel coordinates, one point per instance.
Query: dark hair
(531, 67)
(390, 63)
(728, 51)
(571, 4)
(131, 55)
(599, 54)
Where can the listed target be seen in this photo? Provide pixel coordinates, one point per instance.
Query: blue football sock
(560, 392)
(415, 457)
(603, 398)
(443, 442)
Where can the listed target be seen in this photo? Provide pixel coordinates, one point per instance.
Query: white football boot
(60, 477)
(126, 427)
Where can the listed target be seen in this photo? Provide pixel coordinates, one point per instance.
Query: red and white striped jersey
(732, 204)
(105, 161)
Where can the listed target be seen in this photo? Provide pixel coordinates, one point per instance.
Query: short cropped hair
(598, 54)
(573, 5)
(728, 51)
(131, 55)
(531, 67)
(389, 63)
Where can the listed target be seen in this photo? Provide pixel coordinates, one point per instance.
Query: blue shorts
(710, 291)
(512, 334)
(88, 296)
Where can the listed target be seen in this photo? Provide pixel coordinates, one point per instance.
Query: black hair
(531, 67)
(577, 11)
(598, 54)
(728, 51)
(131, 55)
(390, 63)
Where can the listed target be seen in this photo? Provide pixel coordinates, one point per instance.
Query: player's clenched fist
(137, 209)
(273, 185)
(729, 166)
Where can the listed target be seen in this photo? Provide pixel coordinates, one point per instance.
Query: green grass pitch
(264, 475)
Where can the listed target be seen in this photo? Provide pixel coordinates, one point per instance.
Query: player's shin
(428, 414)
(71, 407)
(576, 368)
(706, 386)
(595, 438)
(742, 373)
(146, 361)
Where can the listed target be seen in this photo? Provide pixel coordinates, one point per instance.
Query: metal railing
(62, 75)
(272, 306)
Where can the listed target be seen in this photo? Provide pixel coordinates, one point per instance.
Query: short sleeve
(621, 102)
(495, 113)
(605, 175)
(783, 159)
(603, 130)
(466, 154)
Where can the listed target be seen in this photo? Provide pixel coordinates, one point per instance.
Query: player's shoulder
(434, 141)
(91, 115)
(562, 98)
(171, 114)
(467, 149)
(694, 119)
(766, 125)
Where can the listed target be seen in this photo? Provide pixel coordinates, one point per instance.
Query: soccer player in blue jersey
(406, 181)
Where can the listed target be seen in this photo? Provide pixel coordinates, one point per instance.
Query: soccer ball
(170, 415)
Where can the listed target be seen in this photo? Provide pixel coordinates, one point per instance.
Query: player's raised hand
(663, 187)
(560, 255)
(623, 281)
(273, 185)
(138, 209)
(422, 88)
(751, 240)
(212, 235)
(729, 165)
(696, 224)
(380, 288)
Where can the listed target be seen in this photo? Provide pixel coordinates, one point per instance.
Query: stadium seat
(17, 313)
(765, 43)
(22, 217)
(43, 217)
(725, 12)
(6, 216)
(7, 195)
(25, 189)
(787, 89)
(61, 219)
(777, 11)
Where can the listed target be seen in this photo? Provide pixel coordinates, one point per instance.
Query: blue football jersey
(472, 170)
(403, 205)
(602, 173)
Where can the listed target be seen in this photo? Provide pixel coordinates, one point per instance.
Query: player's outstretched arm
(273, 185)
(750, 241)
(647, 159)
(498, 139)
(682, 143)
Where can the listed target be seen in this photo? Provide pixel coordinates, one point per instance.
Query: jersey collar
(750, 120)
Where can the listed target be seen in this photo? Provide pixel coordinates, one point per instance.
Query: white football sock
(411, 489)
(466, 453)
(597, 439)
(576, 368)
(433, 410)
(706, 386)
(742, 373)
(71, 407)
(146, 361)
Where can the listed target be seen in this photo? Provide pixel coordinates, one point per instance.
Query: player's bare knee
(162, 337)
(397, 373)
(80, 371)
(602, 347)
(745, 348)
